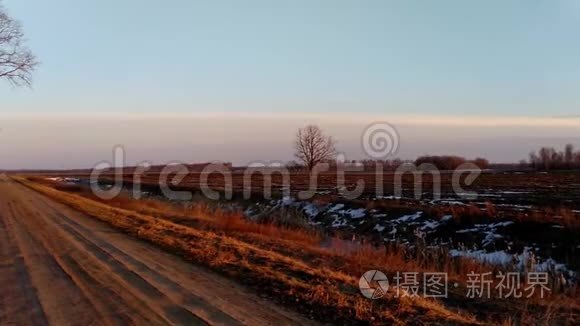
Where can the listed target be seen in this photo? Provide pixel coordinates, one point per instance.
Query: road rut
(61, 267)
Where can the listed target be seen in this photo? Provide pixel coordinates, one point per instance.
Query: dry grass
(200, 215)
(327, 294)
(290, 265)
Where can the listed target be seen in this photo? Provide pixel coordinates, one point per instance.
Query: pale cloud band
(329, 118)
(81, 140)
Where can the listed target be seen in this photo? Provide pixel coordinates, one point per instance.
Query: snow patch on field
(336, 208)
(450, 202)
(494, 258)
(409, 218)
(490, 238)
(525, 261)
(388, 198)
(446, 218)
(311, 210)
(484, 240)
(430, 225)
(379, 228)
(488, 230)
(356, 213)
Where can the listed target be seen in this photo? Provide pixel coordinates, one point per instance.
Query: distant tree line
(387, 165)
(440, 162)
(312, 147)
(448, 162)
(548, 158)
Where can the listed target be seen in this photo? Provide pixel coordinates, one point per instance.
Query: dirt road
(60, 267)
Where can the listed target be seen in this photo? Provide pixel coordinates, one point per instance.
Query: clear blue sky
(471, 57)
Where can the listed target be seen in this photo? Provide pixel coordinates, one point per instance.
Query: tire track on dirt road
(18, 297)
(63, 267)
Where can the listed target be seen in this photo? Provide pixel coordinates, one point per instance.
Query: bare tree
(546, 156)
(569, 155)
(313, 147)
(16, 61)
(549, 158)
